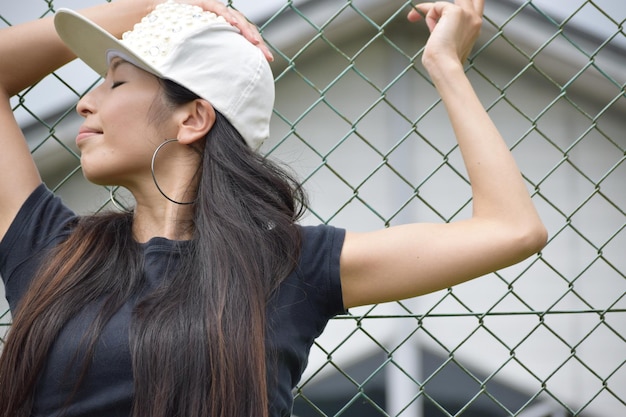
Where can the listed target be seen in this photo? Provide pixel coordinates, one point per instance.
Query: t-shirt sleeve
(301, 308)
(319, 265)
(41, 223)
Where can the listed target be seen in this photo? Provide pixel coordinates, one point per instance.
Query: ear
(196, 119)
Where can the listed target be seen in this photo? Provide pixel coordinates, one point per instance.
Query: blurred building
(358, 120)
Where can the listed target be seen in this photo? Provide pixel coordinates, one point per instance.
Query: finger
(434, 13)
(250, 32)
(479, 6)
(476, 6)
(236, 19)
(429, 12)
(416, 14)
(213, 6)
(247, 29)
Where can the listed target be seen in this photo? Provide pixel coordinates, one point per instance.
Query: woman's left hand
(454, 27)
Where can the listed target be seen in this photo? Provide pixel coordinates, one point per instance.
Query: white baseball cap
(194, 48)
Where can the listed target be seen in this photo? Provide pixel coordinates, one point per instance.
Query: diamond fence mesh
(359, 121)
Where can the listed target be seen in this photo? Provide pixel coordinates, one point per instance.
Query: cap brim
(91, 43)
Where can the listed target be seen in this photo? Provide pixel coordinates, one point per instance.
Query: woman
(205, 299)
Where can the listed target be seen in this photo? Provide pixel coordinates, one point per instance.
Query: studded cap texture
(192, 47)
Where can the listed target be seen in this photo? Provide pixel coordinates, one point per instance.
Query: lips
(85, 132)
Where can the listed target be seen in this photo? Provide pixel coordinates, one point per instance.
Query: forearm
(497, 185)
(34, 50)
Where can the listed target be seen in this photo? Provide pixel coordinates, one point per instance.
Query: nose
(86, 105)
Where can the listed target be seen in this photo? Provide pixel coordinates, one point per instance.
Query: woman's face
(118, 136)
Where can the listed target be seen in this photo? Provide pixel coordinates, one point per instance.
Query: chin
(95, 177)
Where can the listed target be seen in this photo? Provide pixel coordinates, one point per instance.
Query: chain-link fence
(358, 119)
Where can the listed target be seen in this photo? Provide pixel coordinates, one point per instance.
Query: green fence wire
(358, 119)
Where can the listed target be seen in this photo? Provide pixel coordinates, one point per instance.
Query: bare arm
(410, 260)
(35, 51)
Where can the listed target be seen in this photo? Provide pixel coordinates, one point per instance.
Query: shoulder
(320, 255)
(41, 222)
(42, 215)
(314, 285)
(321, 241)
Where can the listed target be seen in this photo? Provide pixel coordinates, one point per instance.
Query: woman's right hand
(235, 18)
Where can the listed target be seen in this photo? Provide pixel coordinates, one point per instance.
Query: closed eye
(117, 84)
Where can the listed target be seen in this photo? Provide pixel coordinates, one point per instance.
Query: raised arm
(409, 260)
(33, 50)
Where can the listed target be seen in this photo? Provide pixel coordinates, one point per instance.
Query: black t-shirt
(297, 313)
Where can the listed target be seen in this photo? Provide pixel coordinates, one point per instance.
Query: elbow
(532, 238)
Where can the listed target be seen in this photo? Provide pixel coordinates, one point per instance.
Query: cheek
(134, 125)
(128, 135)
(116, 159)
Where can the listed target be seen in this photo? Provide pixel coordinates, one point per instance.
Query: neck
(155, 214)
(169, 220)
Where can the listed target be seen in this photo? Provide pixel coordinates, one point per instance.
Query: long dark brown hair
(198, 341)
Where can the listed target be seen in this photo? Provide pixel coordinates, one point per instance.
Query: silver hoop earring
(114, 201)
(154, 155)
